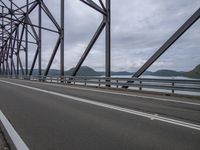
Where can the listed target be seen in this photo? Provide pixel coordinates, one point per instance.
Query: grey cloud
(139, 28)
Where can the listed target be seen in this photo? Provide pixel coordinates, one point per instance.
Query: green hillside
(195, 73)
(166, 73)
(83, 71)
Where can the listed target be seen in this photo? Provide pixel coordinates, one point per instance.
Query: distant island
(195, 73)
(87, 71)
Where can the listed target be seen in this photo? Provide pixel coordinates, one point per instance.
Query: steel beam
(17, 54)
(40, 39)
(21, 66)
(48, 13)
(89, 47)
(108, 41)
(169, 42)
(26, 52)
(34, 61)
(62, 46)
(52, 56)
(94, 6)
(105, 11)
(11, 28)
(2, 40)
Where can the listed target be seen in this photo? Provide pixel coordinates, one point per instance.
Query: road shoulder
(3, 143)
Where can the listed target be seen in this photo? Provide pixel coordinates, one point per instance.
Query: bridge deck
(57, 117)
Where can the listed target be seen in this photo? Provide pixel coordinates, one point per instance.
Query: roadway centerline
(121, 94)
(113, 107)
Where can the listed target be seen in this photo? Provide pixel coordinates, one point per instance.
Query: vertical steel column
(62, 46)
(7, 53)
(108, 40)
(26, 53)
(11, 55)
(40, 38)
(89, 47)
(1, 51)
(11, 37)
(17, 54)
(105, 11)
(3, 41)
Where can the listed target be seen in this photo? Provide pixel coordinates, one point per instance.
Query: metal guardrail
(170, 85)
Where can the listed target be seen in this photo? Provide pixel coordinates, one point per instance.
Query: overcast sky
(139, 28)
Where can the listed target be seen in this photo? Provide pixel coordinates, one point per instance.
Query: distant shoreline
(158, 77)
(87, 71)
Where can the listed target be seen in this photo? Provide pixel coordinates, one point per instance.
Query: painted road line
(121, 109)
(139, 96)
(122, 94)
(14, 136)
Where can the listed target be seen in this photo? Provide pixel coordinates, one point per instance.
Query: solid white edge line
(14, 136)
(122, 94)
(121, 109)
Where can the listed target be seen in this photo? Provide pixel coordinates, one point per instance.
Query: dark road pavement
(96, 120)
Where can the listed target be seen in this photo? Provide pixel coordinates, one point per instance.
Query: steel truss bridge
(17, 26)
(74, 112)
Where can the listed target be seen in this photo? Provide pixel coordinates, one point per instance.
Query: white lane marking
(122, 94)
(121, 109)
(16, 139)
(139, 96)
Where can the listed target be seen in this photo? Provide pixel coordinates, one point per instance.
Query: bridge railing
(146, 84)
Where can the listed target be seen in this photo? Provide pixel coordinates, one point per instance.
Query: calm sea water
(160, 90)
(156, 77)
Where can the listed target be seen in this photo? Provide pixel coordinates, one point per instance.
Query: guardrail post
(173, 87)
(61, 79)
(65, 80)
(140, 88)
(99, 82)
(117, 81)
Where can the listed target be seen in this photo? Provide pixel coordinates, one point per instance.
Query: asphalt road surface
(54, 117)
